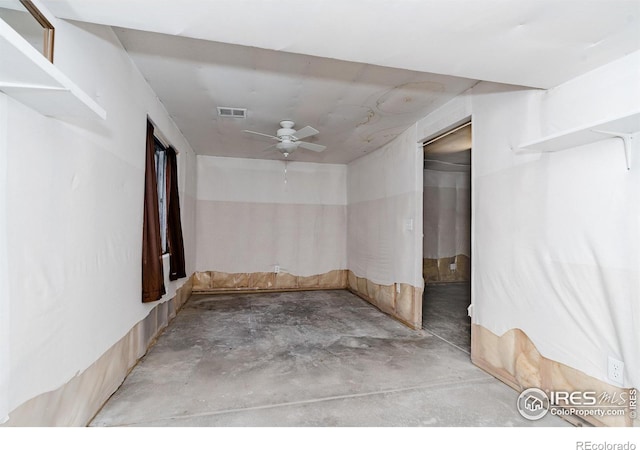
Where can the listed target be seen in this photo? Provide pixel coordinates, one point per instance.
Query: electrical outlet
(615, 371)
(397, 288)
(453, 267)
(276, 269)
(408, 224)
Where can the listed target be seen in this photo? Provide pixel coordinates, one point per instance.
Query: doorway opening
(446, 260)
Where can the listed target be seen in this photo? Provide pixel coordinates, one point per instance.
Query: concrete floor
(322, 358)
(444, 313)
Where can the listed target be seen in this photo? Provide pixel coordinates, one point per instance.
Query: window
(162, 230)
(161, 179)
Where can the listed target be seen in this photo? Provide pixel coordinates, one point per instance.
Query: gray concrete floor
(444, 313)
(322, 358)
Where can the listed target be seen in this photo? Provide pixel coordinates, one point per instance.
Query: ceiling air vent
(236, 113)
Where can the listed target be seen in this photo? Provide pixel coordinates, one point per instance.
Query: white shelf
(625, 127)
(30, 78)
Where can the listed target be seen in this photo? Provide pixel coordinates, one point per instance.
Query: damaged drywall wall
(259, 216)
(515, 360)
(74, 218)
(556, 248)
(384, 225)
(447, 269)
(400, 300)
(212, 281)
(76, 402)
(287, 225)
(556, 234)
(447, 226)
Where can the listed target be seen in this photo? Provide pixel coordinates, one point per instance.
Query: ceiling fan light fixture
(286, 146)
(290, 139)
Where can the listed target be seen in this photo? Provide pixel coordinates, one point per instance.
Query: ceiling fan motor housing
(286, 133)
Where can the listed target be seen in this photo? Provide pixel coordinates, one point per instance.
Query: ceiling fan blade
(271, 147)
(312, 147)
(260, 134)
(305, 132)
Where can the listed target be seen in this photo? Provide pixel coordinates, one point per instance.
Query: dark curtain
(152, 273)
(174, 231)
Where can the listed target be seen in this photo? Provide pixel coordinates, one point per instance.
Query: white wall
(384, 191)
(557, 235)
(446, 214)
(74, 217)
(252, 216)
(4, 266)
(24, 23)
(249, 219)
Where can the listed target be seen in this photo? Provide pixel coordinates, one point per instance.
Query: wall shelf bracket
(630, 141)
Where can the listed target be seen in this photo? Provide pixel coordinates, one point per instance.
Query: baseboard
(79, 400)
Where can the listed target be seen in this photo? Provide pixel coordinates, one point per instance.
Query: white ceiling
(536, 43)
(356, 107)
(360, 71)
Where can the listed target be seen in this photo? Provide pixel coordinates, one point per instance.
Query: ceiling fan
(290, 139)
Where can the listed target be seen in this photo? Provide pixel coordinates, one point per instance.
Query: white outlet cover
(615, 371)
